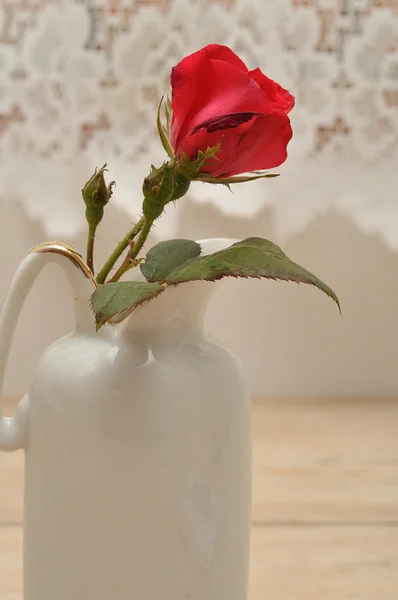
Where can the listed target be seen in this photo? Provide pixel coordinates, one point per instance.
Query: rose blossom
(216, 99)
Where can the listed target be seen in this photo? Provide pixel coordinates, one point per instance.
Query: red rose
(215, 98)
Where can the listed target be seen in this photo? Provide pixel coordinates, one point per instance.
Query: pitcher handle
(13, 429)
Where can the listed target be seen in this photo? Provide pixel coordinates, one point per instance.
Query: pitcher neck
(178, 309)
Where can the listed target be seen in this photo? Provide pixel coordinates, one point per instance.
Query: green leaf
(111, 299)
(163, 258)
(163, 134)
(252, 257)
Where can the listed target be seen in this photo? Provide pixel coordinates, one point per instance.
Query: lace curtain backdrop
(80, 83)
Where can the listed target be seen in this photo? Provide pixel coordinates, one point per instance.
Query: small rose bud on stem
(162, 186)
(96, 196)
(158, 189)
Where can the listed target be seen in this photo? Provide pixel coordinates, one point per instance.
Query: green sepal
(169, 114)
(238, 179)
(191, 168)
(163, 133)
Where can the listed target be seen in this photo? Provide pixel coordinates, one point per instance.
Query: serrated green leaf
(111, 299)
(252, 257)
(163, 258)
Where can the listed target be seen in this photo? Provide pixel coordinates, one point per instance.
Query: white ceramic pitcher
(138, 452)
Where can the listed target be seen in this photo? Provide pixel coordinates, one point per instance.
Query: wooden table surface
(325, 514)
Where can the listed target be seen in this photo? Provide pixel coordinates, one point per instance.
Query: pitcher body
(137, 476)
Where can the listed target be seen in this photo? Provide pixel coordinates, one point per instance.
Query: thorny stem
(127, 264)
(90, 246)
(102, 275)
(130, 260)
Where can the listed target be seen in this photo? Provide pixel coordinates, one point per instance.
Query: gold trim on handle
(68, 251)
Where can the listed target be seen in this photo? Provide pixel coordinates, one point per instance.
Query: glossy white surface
(138, 456)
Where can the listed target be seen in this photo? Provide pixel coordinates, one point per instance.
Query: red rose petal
(220, 88)
(186, 79)
(258, 144)
(225, 54)
(279, 97)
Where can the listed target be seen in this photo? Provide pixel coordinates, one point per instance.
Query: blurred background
(80, 82)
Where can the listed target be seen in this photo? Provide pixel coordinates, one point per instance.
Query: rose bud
(158, 189)
(216, 100)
